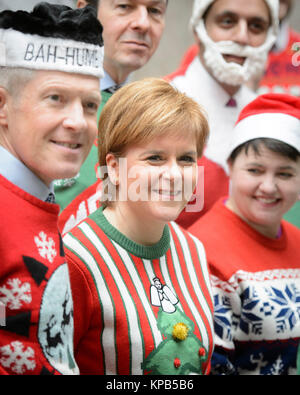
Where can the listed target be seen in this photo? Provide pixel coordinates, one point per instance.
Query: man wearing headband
(233, 39)
(131, 32)
(50, 65)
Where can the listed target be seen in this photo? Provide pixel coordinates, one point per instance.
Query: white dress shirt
(18, 174)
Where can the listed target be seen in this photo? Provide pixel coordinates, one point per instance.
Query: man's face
(52, 124)
(131, 31)
(241, 21)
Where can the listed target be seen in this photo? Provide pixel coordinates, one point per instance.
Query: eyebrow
(159, 152)
(288, 167)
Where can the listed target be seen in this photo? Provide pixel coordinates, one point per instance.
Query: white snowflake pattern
(277, 367)
(14, 293)
(46, 246)
(16, 357)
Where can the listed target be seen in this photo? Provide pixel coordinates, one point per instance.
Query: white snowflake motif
(14, 293)
(15, 357)
(46, 246)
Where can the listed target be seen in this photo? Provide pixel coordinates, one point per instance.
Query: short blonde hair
(145, 109)
(13, 79)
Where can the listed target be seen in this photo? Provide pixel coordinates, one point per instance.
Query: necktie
(112, 89)
(50, 198)
(231, 103)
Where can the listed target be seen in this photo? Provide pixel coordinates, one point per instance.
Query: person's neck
(118, 74)
(270, 231)
(132, 226)
(231, 90)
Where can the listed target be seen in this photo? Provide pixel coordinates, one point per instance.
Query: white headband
(45, 53)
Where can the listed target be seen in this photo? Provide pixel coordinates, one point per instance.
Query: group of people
(142, 222)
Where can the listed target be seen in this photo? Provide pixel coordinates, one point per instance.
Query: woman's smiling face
(160, 176)
(264, 186)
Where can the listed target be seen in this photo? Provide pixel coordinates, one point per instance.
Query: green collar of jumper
(146, 252)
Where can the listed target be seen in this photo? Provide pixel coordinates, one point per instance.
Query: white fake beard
(231, 73)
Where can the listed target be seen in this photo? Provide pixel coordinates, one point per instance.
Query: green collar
(146, 252)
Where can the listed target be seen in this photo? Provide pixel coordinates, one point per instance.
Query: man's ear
(3, 106)
(81, 3)
(112, 168)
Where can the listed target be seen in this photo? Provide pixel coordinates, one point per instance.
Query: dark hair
(54, 20)
(273, 145)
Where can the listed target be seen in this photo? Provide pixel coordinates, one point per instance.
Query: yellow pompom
(180, 331)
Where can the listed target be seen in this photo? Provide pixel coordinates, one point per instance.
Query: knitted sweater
(139, 309)
(256, 289)
(282, 75)
(37, 335)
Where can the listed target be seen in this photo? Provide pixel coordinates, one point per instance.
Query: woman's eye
(285, 175)
(187, 158)
(254, 171)
(154, 158)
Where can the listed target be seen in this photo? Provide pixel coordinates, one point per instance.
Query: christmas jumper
(139, 309)
(282, 75)
(37, 335)
(193, 79)
(256, 290)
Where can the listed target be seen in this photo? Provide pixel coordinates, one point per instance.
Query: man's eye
(226, 22)
(92, 106)
(123, 6)
(55, 97)
(258, 27)
(155, 11)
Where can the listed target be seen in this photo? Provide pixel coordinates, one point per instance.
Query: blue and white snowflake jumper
(256, 289)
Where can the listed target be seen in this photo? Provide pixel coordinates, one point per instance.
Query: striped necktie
(113, 89)
(50, 198)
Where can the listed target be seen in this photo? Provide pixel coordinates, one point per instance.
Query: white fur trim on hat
(279, 126)
(200, 6)
(36, 52)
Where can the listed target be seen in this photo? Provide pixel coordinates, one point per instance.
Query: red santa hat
(273, 115)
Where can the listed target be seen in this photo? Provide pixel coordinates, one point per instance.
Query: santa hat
(52, 37)
(274, 116)
(200, 7)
